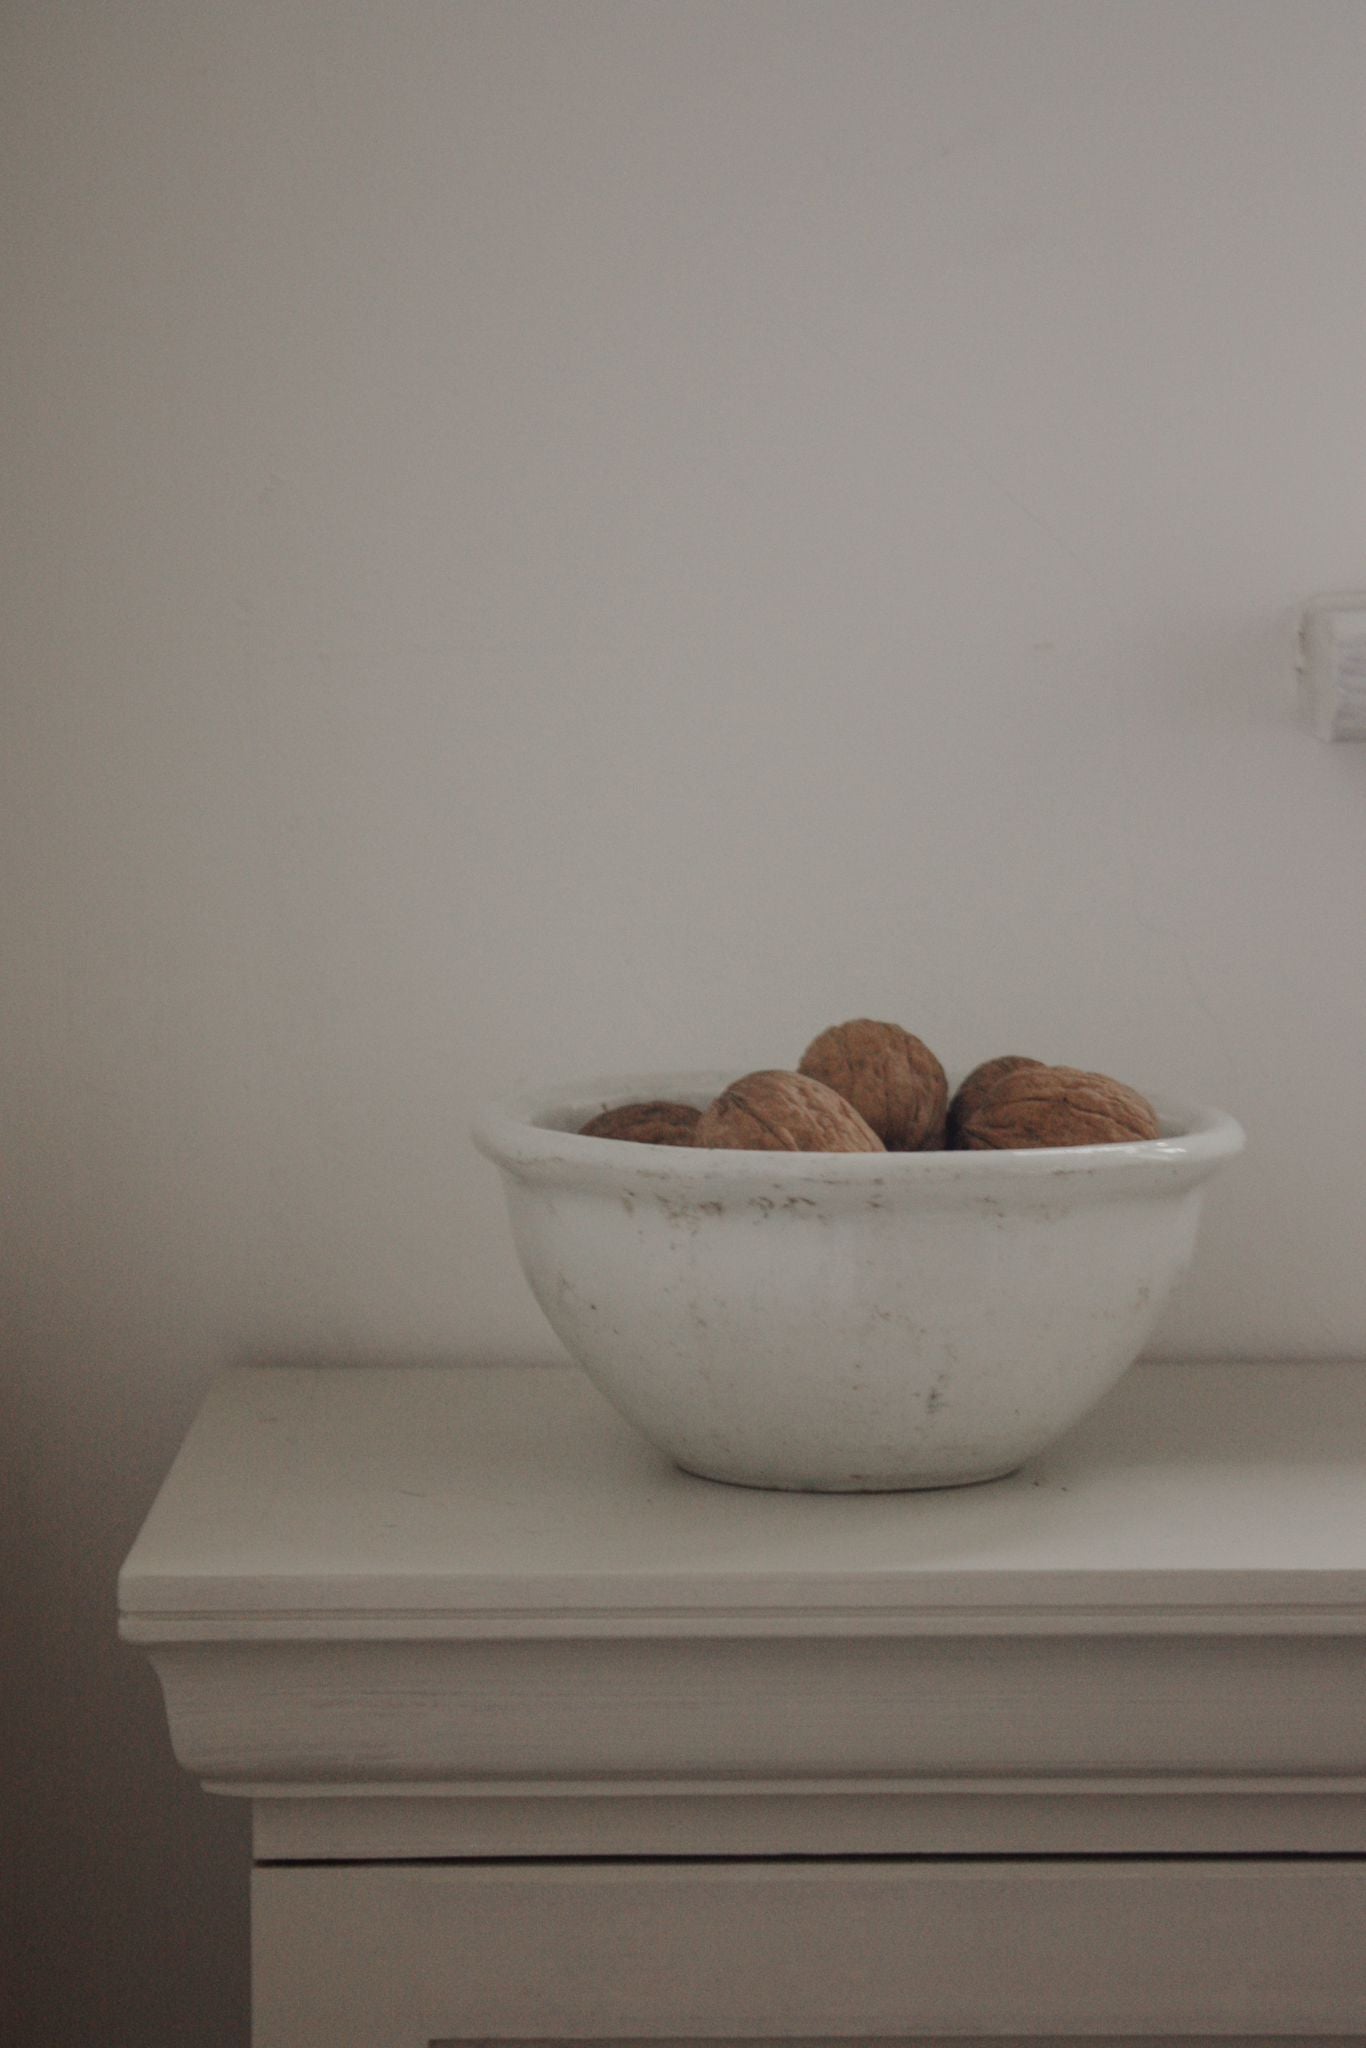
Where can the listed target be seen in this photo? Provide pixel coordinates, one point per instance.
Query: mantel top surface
(369, 1501)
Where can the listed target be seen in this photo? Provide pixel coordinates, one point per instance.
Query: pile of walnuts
(870, 1087)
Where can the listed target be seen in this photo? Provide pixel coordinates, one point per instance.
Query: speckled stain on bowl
(846, 1322)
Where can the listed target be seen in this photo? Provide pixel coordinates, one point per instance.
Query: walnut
(975, 1087)
(893, 1080)
(646, 1123)
(771, 1111)
(1037, 1106)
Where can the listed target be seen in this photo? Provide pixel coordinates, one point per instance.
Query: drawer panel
(401, 1956)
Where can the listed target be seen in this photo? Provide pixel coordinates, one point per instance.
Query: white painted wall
(610, 533)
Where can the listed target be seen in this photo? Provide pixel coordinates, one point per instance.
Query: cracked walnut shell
(1038, 1106)
(891, 1077)
(646, 1123)
(775, 1111)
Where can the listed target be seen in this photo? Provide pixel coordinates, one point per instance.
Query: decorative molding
(780, 1709)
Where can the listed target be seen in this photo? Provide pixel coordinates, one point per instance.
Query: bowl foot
(851, 1485)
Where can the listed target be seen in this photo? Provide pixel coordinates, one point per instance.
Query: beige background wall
(551, 537)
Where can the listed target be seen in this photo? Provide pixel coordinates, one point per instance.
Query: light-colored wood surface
(367, 1502)
(528, 1616)
(783, 1951)
(547, 1740)
(1022, 1818)
(897, 1711)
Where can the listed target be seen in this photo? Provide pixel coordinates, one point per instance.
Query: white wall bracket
(1332, 664)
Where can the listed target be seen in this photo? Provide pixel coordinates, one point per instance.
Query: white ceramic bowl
(846, 1322)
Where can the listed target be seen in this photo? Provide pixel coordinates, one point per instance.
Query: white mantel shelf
(495, 1676)
(355, 1503)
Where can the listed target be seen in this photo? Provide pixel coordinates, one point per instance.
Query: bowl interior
(542, 1130)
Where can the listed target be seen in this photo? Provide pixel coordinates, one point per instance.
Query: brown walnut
(891, 1077)
(646, 1123)
(1038, 1106)
(973, 1090)
(773, 1111)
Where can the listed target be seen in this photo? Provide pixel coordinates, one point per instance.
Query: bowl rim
(513, 1132)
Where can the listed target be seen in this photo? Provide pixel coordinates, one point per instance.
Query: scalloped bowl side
(841, 1322)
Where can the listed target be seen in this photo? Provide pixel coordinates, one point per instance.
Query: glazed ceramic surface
(846, 1322)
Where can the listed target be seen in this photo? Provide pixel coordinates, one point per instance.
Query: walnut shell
(773, 1111)
(1037, 1106)
(891, 1077)
(646, 1123)
(973, 1090)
